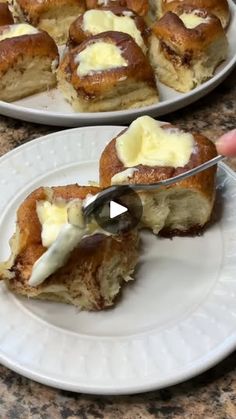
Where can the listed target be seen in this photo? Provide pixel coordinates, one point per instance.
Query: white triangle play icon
(116, 209)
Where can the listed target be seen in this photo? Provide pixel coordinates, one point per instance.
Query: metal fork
(99, 199)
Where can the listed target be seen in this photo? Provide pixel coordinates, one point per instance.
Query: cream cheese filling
(63, 228)
(98, 57)
(52, 217)
(192, 20)
(146, 142)
(98, 21)
(57, 254)
(13, 31)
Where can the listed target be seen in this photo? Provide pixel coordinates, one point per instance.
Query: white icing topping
(98, 21)
(99, 56)
(14, 31)
(63, 228)
(192, 20)
(57, 255)
(146, 142)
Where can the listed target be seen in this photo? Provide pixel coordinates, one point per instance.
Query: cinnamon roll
(96, 21)
(148, 152)
(219, 8)
(28, 60)
(106, 72)
(52, 16)
(90, 268)
(186, 48)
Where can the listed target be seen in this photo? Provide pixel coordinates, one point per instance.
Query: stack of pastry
(57, 255)
(182, 48)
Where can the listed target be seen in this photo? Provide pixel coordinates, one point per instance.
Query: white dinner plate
(176, 319)
(52, 109)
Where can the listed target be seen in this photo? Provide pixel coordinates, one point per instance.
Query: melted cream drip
(192, 20)
(20, 29)
(63, 228)
(98, 57)
(146, 142)
(98, 21)
(56, 256)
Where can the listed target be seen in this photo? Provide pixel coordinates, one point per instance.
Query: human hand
(226, 145)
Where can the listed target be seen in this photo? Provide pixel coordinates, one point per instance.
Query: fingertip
(226, 145)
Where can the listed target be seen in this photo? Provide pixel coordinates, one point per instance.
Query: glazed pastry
(219, 8)
(52, 16)
(93, 22)
(5, 15)
(148, 152)
(108, 71)
(56, 257)
(185, 49)
(138, 6)
(28, 60)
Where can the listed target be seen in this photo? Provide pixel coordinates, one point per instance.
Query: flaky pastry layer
(183, 58)
(27, 65)
(95, 271)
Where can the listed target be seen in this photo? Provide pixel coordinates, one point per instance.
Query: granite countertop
(211, 395)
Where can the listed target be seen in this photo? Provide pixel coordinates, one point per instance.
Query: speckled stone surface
(211, 395)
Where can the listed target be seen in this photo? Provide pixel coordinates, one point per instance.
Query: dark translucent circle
(125, 222)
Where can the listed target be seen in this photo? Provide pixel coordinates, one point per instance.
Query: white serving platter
(52, 109)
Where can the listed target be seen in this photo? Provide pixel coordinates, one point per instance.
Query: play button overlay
(120, 212)
(116, 209)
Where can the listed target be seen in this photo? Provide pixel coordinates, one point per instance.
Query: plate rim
(204, 363)
(161, 108)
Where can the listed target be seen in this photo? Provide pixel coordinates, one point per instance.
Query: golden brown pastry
(155, 9)
(108, 71)
(219, 8)
(52, 16)
(5, 15)
(28, 59)
(138, 6)
(147, 152)
(93, 272)
(185, 49)
(96, 21)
